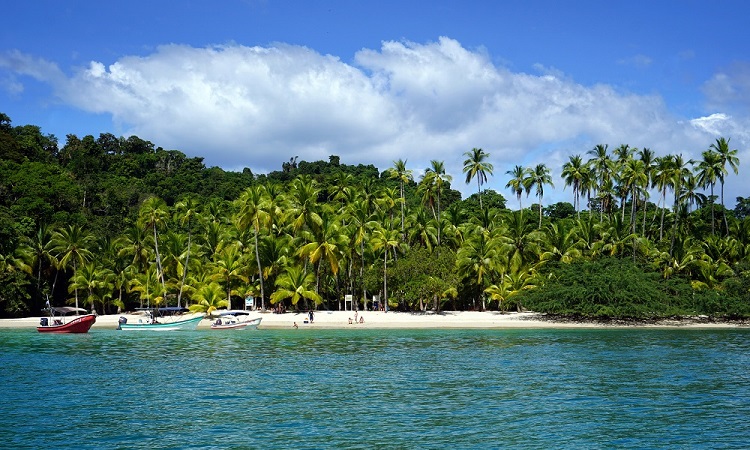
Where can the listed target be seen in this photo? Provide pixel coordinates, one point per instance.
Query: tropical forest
(112, 224)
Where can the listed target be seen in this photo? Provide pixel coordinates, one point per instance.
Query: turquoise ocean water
(364, 388)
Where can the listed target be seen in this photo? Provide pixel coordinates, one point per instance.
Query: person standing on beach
(312, 316)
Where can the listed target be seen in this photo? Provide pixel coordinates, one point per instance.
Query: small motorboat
(235, 320)
(169, 318)
(66, 319)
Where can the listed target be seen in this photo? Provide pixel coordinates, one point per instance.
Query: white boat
(235, 320)
(162, 319)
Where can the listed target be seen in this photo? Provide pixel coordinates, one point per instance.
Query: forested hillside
(114, 223)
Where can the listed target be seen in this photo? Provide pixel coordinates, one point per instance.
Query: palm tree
(574, 173)
(727, 156)
(478, 260)
(475, 165)
(186, 211)
(679, 172)
(540, 175)
(325, 243)
(601, 171)
(72, 245)
(403, 175)
(295, 284)
(649, 164)
(439, 177)
(519, 183)
(634, 178)
(153, 215)
(253, 212)
(709, 171)
(387, 241)
(210, 297)
(229, 270)
(662, 179)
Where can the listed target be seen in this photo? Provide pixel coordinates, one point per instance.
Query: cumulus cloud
(730, 88)
(241, 106)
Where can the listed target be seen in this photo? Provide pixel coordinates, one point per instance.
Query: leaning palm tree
(475, 165)
(727, 156)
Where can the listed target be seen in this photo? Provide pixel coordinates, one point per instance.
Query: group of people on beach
(361, 318)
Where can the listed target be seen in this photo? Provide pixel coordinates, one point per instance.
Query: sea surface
(365, 388)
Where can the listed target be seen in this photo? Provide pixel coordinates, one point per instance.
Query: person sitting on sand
(350, 321)
(361, 319)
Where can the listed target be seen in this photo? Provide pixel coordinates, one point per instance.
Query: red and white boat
(234, 320)
(62, 320)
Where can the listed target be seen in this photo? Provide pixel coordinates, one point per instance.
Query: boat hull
(178, 325)
(250, 324)
(80, 324)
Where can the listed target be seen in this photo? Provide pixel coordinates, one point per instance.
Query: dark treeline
(116, 223)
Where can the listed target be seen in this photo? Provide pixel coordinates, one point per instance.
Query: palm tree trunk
(726, 224)
(260, 270)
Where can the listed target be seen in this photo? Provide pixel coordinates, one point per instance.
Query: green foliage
(612, 288)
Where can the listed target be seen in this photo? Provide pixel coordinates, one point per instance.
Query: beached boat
(61, 320)
(162, 319)
(235, 320)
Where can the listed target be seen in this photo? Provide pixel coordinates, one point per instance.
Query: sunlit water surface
(360, 388)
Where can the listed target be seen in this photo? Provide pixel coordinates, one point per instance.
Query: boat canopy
(165, 309)
(233, 313)
(65, 310)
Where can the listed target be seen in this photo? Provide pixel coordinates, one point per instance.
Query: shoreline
(417, 320)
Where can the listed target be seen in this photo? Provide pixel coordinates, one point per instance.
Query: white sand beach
(393, 319)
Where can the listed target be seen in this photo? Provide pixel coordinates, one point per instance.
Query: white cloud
(241, 106)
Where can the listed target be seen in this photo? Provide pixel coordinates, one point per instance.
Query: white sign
(249, 301)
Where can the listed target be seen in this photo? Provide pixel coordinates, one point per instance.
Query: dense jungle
(113, 223)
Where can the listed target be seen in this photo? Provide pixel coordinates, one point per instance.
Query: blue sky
(251, 83)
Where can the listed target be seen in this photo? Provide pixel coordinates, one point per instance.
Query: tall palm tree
(475, 165)
(153, 215)
(679, 172)
(574, 173)
(709, 171)
(519, 183)
(662, 179)
(634, 178)
(540, 175)
(437, 168)
(601, 171)
(721, 146)
(387, 241)
(649, 164)
(186, 211)
(403, 175)
(253, 212)
(72, 245)
(229, 271)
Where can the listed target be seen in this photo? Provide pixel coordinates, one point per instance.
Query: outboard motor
(43, 321)
(121, 321)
